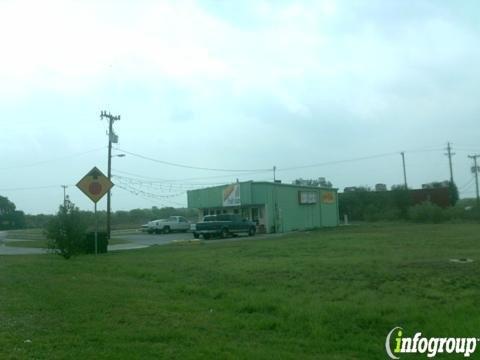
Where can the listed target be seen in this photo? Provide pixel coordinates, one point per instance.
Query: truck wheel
(166, 229)
(157, 231)
(251, 231)
(196, 236)
(224, 233)
(206, 236)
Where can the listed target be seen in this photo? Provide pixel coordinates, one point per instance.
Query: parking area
(135, 240)
(141, 238)
(162, 239)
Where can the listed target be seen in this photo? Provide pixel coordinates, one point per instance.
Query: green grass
(329, 294)
(43, 243)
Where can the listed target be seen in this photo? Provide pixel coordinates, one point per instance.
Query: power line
(467, 184)
(414, 151)
(53, 160)
(162, 185)
(194, 178)
(186, 166)
(33, 188)
(336, 162)
(148, 198)
(148, 193)
(255, 171)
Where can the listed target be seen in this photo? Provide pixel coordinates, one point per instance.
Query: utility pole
(112, 138)
(475, 170)
(450, 154)
(404, 170)
(274, 170)
(64, 195)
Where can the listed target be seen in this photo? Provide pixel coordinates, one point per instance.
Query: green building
(275, 207)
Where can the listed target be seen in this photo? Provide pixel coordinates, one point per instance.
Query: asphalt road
(162, 239)
(136, 241)
(154, 239)
(7, 250)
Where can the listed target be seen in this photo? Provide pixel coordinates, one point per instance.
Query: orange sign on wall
(328, 197)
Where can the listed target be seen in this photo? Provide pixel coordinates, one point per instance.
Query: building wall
(292, 214)
(213, 196)
(329, 210)
(280, 203)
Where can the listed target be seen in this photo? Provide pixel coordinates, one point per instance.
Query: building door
(255, 215)
(259, 216)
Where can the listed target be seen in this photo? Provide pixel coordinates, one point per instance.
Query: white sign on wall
(231, 195)
(307, 197)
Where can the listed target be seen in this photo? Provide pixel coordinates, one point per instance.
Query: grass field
(329, 294)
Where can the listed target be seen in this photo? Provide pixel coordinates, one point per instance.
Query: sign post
(95, 185)
(96, 230)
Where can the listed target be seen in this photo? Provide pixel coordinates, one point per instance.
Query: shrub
(66, 231)
(427, 212)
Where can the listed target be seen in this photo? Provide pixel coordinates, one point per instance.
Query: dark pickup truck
(223, 226)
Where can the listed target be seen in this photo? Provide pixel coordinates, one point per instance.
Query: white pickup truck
(165, 226)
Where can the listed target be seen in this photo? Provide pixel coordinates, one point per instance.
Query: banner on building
(231, 195)
(307, 197)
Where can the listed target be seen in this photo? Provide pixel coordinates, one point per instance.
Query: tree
(452, 193)
(320, 182)
(10, 218)
(66, 231)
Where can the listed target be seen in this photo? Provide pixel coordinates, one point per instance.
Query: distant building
(439, 196)
(436, 184)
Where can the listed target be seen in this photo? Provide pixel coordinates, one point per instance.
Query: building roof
(271, 183)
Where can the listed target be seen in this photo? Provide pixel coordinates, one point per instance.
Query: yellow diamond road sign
(95, 184)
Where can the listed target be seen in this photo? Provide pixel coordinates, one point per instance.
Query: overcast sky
(235, 85)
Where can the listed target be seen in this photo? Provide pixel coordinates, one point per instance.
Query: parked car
(223, 226)
(147, 227)
(173, 223)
